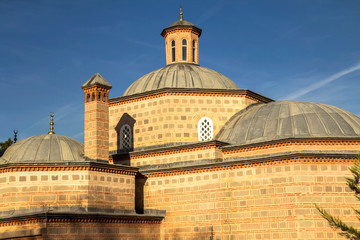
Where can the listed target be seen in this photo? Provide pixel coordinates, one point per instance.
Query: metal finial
(181, 13)
(15, 135)
(51, 123)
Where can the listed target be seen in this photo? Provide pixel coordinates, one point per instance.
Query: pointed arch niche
(125, 133)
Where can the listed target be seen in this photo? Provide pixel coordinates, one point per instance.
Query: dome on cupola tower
(181, 23)
(182, 59)
(181, 41)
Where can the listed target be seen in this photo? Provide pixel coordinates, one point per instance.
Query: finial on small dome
(51, 123)
(181, 13)
(15, 135)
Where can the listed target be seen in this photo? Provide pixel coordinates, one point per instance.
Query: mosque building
(183, 154)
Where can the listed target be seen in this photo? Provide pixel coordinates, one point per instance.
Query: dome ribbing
(289, 119)
(181, 75)
(45, 148)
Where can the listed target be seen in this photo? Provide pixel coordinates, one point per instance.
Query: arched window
(173, 50)
(184, 50)
(88, 97)
(126, 137)
(205, 129)
(193, 50)
(99, 97)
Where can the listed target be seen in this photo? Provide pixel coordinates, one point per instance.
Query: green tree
(6, 144)
(335, 222)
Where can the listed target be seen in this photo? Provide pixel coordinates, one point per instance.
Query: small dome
(289, 119)
(181, 75)
(45, 148)
(181, 23)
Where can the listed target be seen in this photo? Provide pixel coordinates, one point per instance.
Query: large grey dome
(181, 75)
(46, 148)
(289, 119)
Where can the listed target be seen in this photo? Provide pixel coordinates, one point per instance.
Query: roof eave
(192, 90)
(85, 86)
(165, 30)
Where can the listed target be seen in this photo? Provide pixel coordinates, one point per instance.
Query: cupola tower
(96, 122)
(181, 42)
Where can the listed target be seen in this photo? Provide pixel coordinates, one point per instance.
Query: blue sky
(307, 50)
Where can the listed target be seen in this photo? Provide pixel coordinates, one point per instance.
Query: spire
(15, 135)
(181, 14)
(51, 123)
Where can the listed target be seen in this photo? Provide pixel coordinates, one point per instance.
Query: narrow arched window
(88, 98)
(193, 50)
(126, 137)
(205, 129)
(99, 97)
(93, 97)
(184, 50)
(173, 50)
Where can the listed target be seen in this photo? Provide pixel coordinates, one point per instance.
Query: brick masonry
(269, 201)
(28, 190)
(96, 123)
(171, 119)
(82, 230)
(178, 36)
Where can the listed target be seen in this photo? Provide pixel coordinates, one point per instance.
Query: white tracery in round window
(205, 129)
(125, 137)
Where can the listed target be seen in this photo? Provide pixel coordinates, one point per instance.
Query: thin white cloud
(210, 12)
(78, 135)
(144, 43)
(322, 83)
(69, 109)
(60, 113)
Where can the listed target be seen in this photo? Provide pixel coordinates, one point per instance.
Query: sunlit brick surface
(268, 201)
(171, 119)
(83, 230)
(30, 190)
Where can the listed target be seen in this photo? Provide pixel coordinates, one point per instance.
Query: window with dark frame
(173, 50)
(184, 50)
(193, 50)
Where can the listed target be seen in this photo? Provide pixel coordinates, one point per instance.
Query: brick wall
(96, 130)
(287, 146)
(22, 231)
(198, 153)
(169, 119)
(103, 231)
(176, 156)
(178, 36)
(115, 191)
(268, 201)
(25, 190)
(82, 230)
